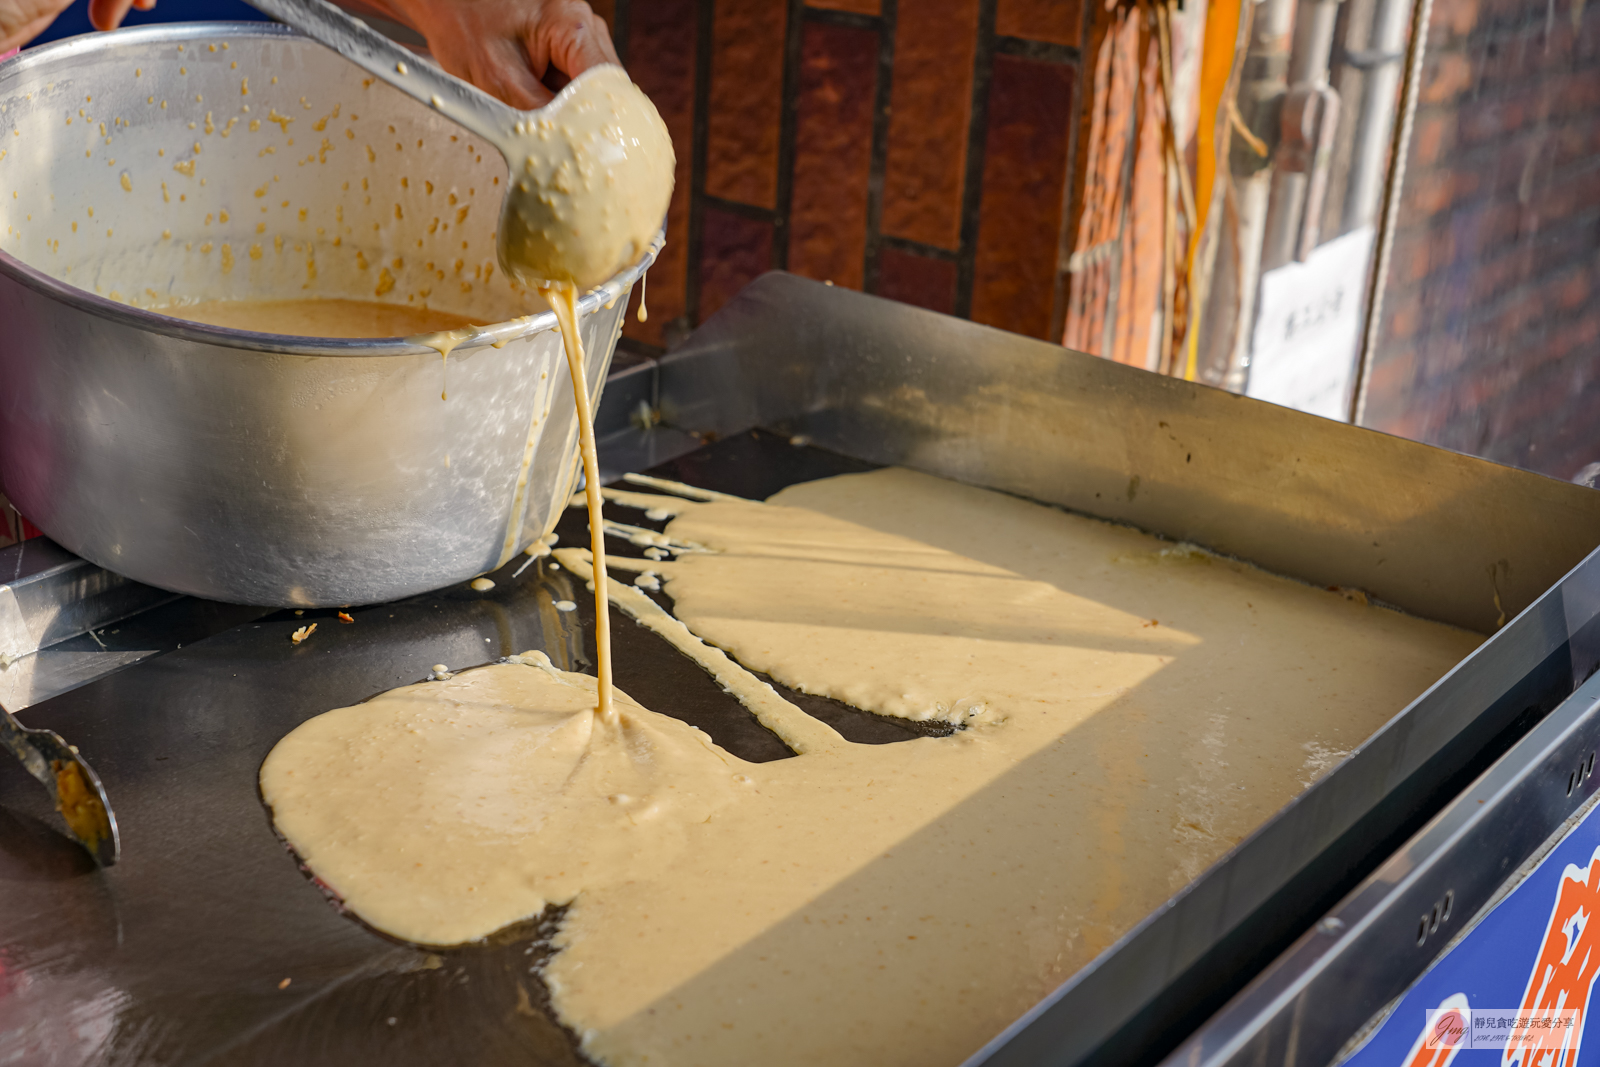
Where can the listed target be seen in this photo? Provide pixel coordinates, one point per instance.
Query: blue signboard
(1516, 990)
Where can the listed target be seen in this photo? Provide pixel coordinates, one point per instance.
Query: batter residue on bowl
(1127, 710)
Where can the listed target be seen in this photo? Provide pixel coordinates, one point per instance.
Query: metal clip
(1307, 124)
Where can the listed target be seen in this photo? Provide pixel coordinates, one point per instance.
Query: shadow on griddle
(484, 1002)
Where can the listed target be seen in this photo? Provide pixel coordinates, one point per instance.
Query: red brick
(918, 280)
(1403, 318)
(1454, 18)
(1023, 178)
(1430, 192)
(1056, 21)
(1578, 337)
(746, 101)
(1496, 115)
(661, 59)
(1574, 290)
(734, 251)
(1576, 94)
(1433, 135)
(1445, 77)
(1574, 142)
(833, 153)
(930, 107)
(1393, 375)
(1410, 260)
(1524, 399)
(1570, 198)
(1519, 310)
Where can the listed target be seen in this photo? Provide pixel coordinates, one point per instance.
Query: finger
(571, 38)
(13, 38)
(501, 70)
(108, 14)
(145, 5)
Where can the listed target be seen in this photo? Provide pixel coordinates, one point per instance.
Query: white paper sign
(1308, 327)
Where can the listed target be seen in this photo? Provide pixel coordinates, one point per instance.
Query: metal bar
(1231, 306)
(1379, 61)
(1308, 67)
(1378, 277)
(53, 596)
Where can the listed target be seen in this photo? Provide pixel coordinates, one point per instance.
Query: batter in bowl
(318, 318)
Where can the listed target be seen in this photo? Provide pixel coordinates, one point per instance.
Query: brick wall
(919, 151)
(1491, 336)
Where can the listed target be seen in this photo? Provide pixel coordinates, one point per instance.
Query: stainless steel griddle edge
(1312, 1003)
(1441, 535)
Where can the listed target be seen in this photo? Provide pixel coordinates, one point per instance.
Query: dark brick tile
(1019, 222)
(734, 251)
(833, 153)
(914, 279)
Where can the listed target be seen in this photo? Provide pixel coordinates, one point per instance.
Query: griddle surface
(177, 954)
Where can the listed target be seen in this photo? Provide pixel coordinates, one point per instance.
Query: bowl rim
(13, 75)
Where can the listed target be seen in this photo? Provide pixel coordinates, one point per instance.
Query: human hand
(505, 47)
(23, 20)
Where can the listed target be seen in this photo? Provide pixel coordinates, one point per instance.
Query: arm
(504, 47)
(23, 20)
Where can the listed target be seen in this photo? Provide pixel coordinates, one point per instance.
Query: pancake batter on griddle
(1130, 713)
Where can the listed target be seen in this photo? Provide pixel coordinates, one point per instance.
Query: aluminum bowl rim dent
(493, 334)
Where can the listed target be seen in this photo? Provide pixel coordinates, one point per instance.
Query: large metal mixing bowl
(149, 164)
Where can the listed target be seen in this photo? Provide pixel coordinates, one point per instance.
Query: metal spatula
(73, 785)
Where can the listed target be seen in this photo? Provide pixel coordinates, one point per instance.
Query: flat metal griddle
(177, 954)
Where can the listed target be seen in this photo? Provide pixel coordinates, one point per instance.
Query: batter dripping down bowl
(163, 167)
